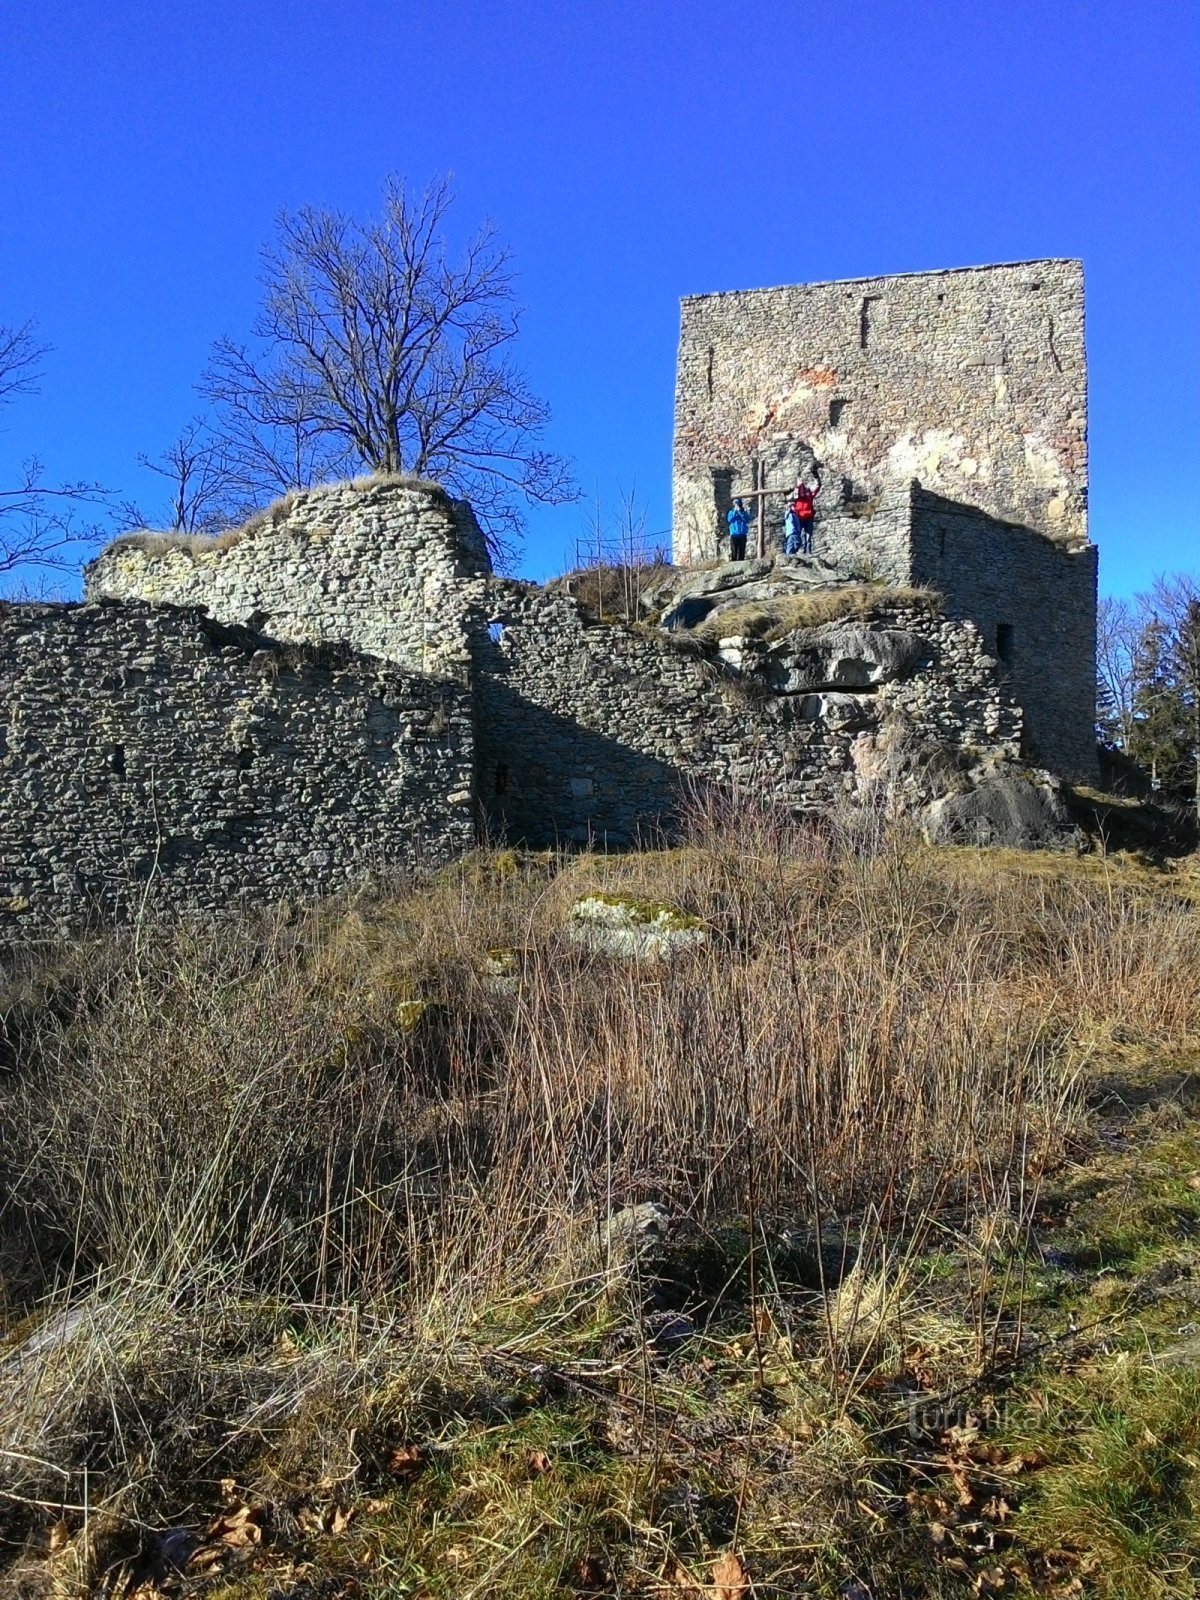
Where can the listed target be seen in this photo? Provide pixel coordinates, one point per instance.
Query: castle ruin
(948, 412)
(344, 684)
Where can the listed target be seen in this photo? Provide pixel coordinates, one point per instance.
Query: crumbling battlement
(377, 565)
(593, 731)
(150, 755)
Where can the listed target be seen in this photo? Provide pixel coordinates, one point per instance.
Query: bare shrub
(612, 591)
(337, 1131)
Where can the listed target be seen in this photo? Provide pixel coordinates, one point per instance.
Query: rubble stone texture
(948, 411)
(377, 566)
(150, 756)
(344, 683)
(591, 732)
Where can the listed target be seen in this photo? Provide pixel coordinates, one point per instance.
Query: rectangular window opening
(1004, 641)
(837, 410)
(116, 760)
(501, 784)
(864, 319)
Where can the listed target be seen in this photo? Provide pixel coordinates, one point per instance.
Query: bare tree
(273, 426)
(42, 528)
(204, 487)
(1119, 625)
(1177, 601)
(371, 341)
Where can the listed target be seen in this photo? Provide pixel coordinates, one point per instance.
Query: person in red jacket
(804, 507)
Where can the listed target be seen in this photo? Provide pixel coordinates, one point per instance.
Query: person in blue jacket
(792, 532)
(739, 524)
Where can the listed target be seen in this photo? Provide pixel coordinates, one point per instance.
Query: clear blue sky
(630, 154)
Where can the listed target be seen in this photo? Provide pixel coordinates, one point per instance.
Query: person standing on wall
(739, 524)
(800, 515)
(791, 532)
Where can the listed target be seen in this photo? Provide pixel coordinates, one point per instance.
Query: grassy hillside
(319, 1277)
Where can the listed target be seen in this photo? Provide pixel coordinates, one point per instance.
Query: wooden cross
(759, 492)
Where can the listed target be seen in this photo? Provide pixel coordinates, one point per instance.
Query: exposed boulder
(687, 598)
(835, 656)
(841, 656)
(638, 1231)
(618, 925)
(713, 580)
(1009, 806)
(688, 612)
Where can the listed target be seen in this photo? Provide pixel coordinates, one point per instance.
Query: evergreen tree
(1157, 738)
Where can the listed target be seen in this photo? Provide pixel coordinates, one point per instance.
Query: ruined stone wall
(1034, 602)
(378, 566)
(152, 753)
(872, 538)
(972, 381)
(589, 731)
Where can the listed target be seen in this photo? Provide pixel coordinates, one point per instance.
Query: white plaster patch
(1043, 465)
(926, 455)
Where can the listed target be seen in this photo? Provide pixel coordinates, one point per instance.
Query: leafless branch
(20, 361)
(374, 347)
(204, 484)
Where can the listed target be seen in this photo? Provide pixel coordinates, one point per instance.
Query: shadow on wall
(545, 780)
(1034, 600)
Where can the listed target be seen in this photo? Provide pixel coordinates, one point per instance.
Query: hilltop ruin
(344, 684)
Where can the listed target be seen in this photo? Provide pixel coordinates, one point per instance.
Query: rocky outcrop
(1012, 807)
(686, 598)
(835, 656)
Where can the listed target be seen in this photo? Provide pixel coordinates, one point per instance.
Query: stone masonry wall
(972, 381)
(150, 752)
(591, 731)
(1034, 602)
(377, 566)
(873, 538)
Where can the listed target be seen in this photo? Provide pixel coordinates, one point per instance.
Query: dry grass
(612, 592)
(161, 544)
(775, 619)
(270, 1220)
(204, 544)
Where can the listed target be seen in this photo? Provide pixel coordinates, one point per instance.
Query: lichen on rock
(639, 929)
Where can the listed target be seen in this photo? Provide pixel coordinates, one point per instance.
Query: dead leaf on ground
(206, 1556)
(994, 1580)
(406, 1461)
(539, 1463)
(336, 1519)
(731, 1581)
(60, 1536)
(240, 1529)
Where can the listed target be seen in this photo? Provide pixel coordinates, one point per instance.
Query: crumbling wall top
(377, 563)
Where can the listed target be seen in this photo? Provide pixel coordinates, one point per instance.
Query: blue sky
(629, 154)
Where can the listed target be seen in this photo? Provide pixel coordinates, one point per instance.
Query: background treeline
(1148, 665)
